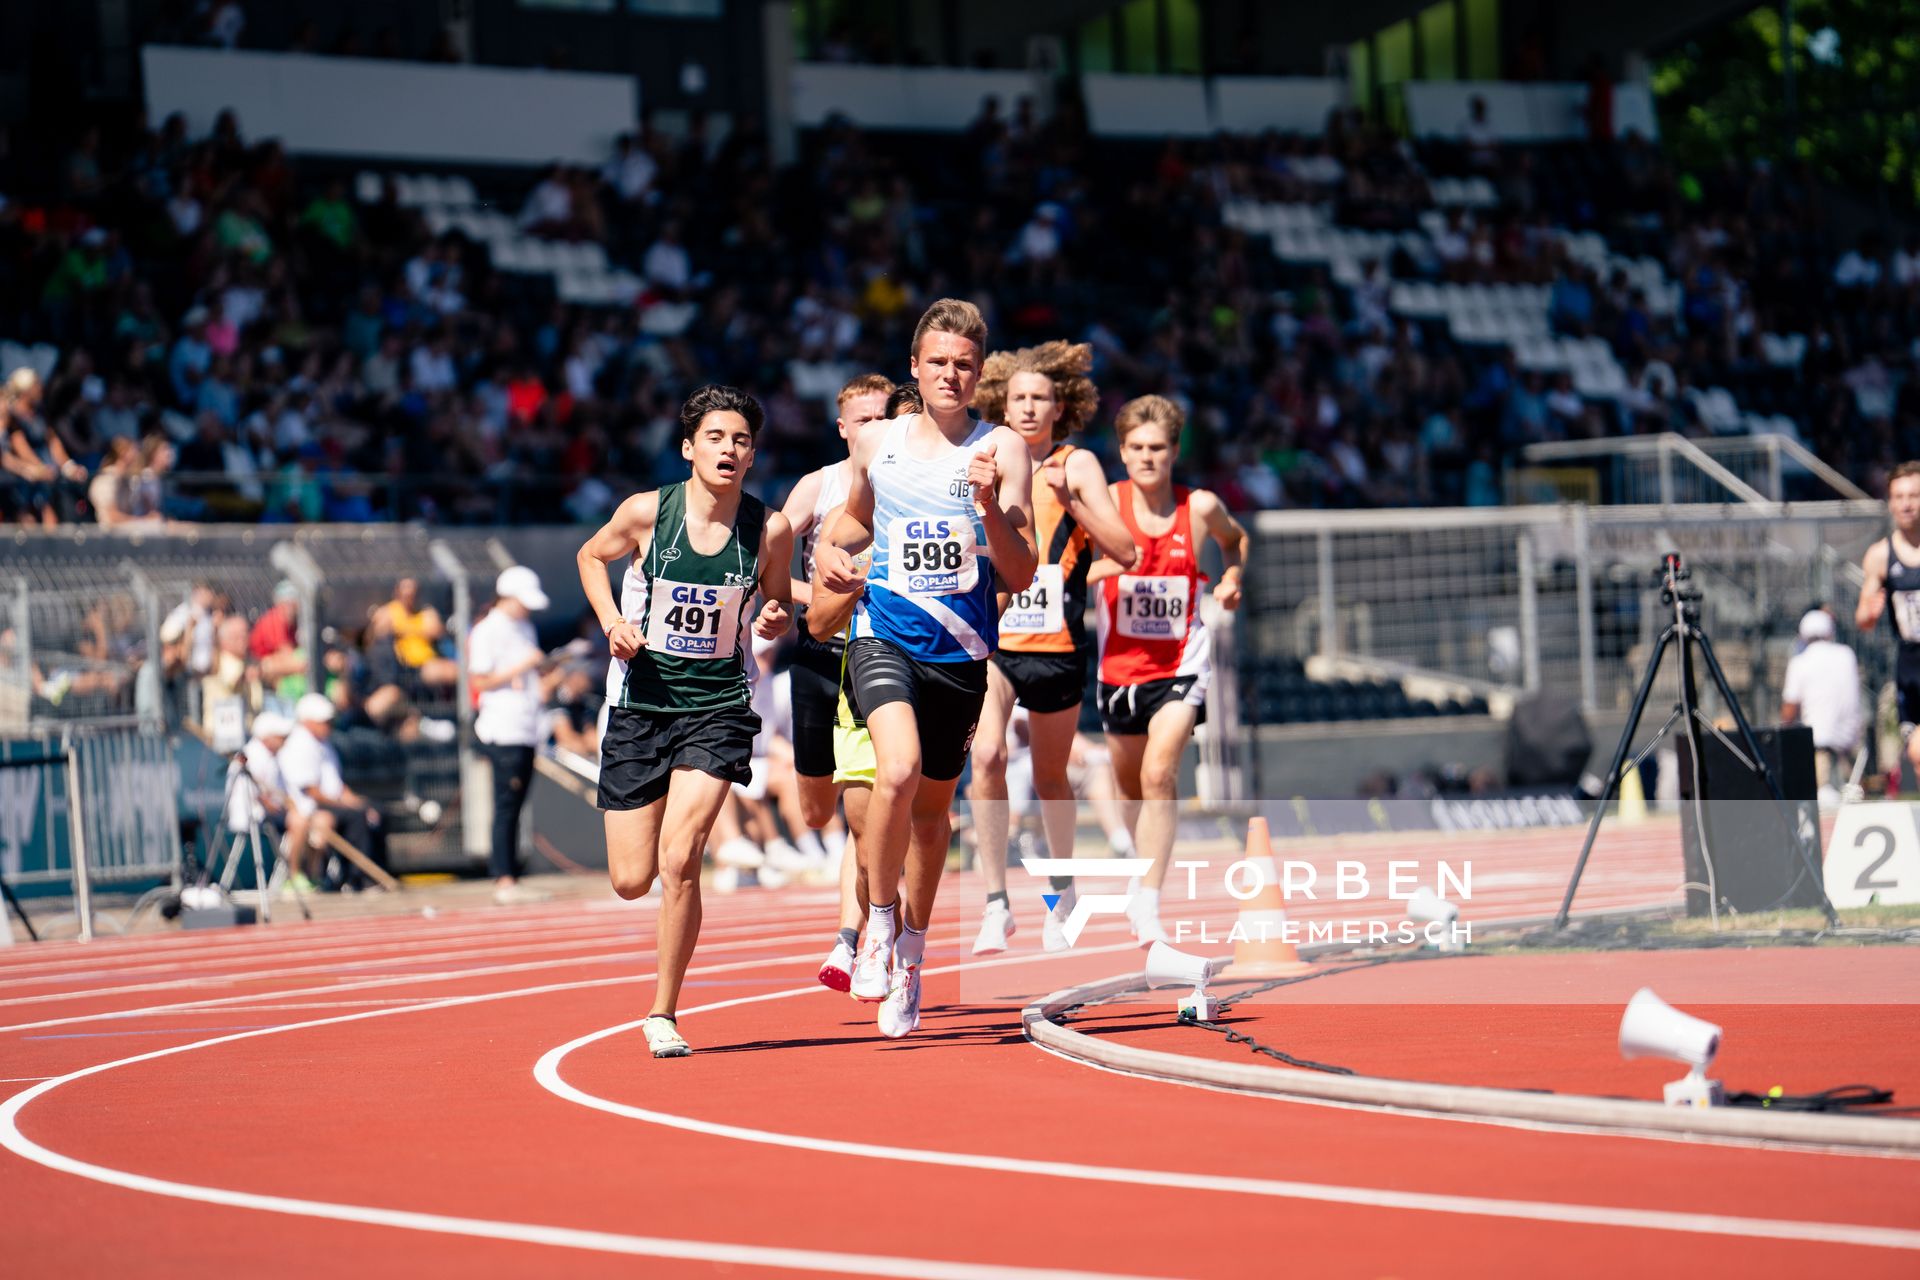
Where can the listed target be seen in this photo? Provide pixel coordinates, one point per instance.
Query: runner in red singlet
(1155, 654)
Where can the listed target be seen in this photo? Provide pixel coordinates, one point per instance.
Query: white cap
(522, 584)
(313, 708)
(1816, 624)
(271, 724)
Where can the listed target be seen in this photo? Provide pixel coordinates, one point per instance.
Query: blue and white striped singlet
(931, 589)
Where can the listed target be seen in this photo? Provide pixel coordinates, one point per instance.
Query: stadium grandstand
(1527, 370)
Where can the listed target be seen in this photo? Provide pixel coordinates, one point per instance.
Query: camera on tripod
(1676, 589)
(1685, 636)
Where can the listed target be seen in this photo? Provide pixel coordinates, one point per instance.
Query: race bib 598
(931, 556)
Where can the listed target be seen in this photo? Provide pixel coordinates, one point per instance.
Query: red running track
(470, 1093)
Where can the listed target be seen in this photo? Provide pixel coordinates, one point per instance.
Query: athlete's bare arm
(1091, 503)
(1211, 514)
(851, 530)
(1104, 566)
(799, 514)
(827, 616)
(776, 578)
(630, 529)
(1003, 490)
(1873, 592)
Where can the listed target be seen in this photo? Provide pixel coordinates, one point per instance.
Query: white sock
(880, 924)
(911, 946)
(1122, 841)
(810, 845)
(836, 841)
(1146, 902)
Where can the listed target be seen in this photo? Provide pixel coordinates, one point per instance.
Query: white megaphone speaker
(1652, 1028)
(1439, 917)
(1168, 967)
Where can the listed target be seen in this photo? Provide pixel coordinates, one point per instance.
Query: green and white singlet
(690, 610)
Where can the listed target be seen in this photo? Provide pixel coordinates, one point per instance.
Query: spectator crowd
(240, 338)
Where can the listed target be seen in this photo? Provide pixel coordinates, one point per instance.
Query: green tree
(1850, 107)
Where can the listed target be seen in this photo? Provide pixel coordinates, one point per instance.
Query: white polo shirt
(1823, 680)
(305, 761)
(509, 715)
(243, 801)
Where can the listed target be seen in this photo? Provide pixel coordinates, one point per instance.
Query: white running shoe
(664, 1038)
(1146, 927)
(783, 856)
(837, 973)
(870, 972)
(1053, 929)
(996, 926)
(740, 852)
(900, 1012)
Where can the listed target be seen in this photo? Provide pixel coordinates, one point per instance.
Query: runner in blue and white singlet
(945, 503)
(931, 588)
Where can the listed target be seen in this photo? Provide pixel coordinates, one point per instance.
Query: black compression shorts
(946, 698)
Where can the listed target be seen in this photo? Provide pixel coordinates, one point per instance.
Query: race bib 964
(1039, 610)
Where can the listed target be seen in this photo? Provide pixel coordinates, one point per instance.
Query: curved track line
(547, 1072)
(14, 1140)
(389, 980)
(480, 1228)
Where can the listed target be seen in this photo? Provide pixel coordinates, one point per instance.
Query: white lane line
(393, 980)
(447, 924)
(598, 937)
(547, 1072)
(827, 1261)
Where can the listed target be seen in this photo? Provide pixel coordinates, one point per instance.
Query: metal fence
(1670, 470)
(90, 809)
(117, 631)
(1509, 600)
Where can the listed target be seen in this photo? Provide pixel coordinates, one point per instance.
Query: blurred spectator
(1822, 690)
(1478, 135)
(275, 643)
(405, 638)
(232, 674)
(512, 680)
(310, 769)
(257, 796)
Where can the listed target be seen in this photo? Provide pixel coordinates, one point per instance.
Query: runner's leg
(988, 791)
(692, 802)
(1159, 780)
(1051, 743)
(633, 848)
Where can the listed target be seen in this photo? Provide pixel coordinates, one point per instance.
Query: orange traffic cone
(1260, 948)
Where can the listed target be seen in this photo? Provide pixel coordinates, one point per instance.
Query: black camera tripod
(1684, 631)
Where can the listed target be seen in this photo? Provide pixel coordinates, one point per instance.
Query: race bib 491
(689, 620)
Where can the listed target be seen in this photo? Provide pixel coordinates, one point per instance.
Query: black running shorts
(1128, 708)
(815, 681)
(1045, 682)
(641, 750)
(946, 698)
